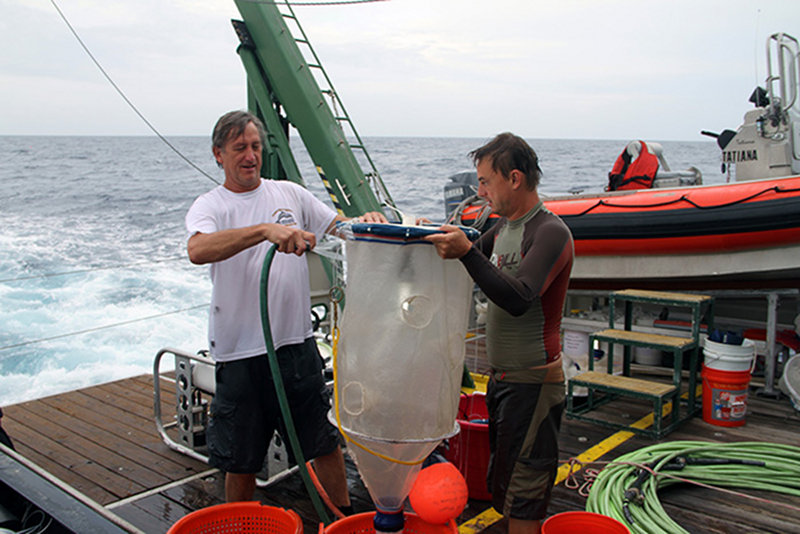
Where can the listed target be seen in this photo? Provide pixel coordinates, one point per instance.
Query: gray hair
(232, 125)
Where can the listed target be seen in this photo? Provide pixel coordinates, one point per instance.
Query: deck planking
(102, 440)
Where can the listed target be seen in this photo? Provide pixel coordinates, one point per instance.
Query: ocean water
(94, 278)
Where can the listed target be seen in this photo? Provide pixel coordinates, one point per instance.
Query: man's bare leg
(333, 477)
(239, 486)
(522, 526)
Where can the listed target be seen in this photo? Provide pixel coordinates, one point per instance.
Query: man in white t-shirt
(232, 227)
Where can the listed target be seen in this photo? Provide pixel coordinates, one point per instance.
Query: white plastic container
(790, 380)
(647, 356)
(575, 357)
(724, 357)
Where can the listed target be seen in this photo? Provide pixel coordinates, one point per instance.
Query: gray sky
(596, 69)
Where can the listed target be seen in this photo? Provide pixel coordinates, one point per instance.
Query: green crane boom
(281, 81)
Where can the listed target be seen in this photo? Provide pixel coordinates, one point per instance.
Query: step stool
(656, 392)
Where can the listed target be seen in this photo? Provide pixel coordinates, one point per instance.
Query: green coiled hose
(627, 492)
(280, 391)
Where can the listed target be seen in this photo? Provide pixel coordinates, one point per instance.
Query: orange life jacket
(636, 174)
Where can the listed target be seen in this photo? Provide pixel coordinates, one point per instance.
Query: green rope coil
(754, 465)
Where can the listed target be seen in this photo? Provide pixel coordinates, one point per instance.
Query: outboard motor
(767, 144)
(460, 187)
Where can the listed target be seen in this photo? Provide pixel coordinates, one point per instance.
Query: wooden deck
(102, 441)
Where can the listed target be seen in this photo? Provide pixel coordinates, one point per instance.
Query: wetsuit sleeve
(546, 252)
(485, 242)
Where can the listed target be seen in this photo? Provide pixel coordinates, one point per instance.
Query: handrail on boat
(784, 45)
(160, 426)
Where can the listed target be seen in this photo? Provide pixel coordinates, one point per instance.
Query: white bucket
(575, 358)
(647, 356)
(576, 344)
(724, 357)
(790, 380)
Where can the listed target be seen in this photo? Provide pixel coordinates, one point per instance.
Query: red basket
(469, 449)
(362, 524)
(239, 517)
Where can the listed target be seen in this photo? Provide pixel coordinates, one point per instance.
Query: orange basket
(239, 517)
(583, 522)
(362, 524)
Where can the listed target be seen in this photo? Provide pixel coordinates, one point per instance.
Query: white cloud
(574, 68)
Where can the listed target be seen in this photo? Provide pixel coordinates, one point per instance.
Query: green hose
(623, 492)
(280, 391)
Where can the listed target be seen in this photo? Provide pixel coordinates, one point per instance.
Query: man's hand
(369, 217)
(452, 243)
(372, 217)
(290, 240)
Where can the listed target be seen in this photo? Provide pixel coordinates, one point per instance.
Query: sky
(573, 69)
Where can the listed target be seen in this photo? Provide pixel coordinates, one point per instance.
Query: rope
(589, 476)
(126, 99)
(322, 493)
(474, 200)
(93, 269)
(97, 328)
(684, 198)
(627, 488)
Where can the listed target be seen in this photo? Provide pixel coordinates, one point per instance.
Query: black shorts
(524, 421)
(245, 412)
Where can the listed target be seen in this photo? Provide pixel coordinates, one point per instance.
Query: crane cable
(126, 99)
(91, 269)
(102, 327)
(133, 106)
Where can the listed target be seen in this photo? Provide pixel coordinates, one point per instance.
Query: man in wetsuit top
(522, 264)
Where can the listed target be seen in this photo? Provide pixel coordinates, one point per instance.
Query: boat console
(767, 144)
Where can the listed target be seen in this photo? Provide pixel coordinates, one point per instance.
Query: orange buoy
(439, 493)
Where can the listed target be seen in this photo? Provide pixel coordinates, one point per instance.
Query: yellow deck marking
(490, 516)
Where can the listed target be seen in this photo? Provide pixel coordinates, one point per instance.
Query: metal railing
(194, 377)
(784, 50)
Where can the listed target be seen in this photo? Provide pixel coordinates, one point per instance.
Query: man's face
(494, 188)
(240, 158)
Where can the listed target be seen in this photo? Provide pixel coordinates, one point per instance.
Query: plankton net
(400, 355)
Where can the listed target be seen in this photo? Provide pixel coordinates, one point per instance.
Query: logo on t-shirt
(285, 217)
(505, 262)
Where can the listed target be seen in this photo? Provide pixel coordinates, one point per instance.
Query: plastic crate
(469, 449)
